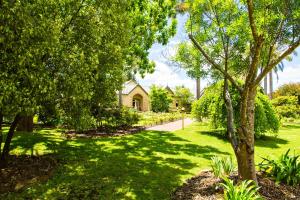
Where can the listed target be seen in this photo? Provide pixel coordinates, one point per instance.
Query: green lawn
(148, 165)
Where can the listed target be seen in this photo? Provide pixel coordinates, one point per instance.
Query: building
(135, 96)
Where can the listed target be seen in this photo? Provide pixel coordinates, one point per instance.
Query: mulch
(206, 187)
(104, 132)
(23, 171)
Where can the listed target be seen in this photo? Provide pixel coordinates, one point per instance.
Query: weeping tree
(237, 39)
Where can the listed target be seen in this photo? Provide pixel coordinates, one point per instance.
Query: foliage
(189, 58)
(211, 106)
(287, 106)
(160, 99)
(222, 166)
(127, 117)
(72, 54)
(290, 89)
(184, 97)
(246, 190)
(152, 118)
(286, 169)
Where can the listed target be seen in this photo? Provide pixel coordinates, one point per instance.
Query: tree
(160, 99)
(212, 106)
(237, 38)
(184, 97)
(190, 59)
(72, 54)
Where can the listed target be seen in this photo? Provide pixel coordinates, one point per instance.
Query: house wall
(127, 99)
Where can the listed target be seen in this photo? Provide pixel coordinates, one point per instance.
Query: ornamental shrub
(160, 99)
(287, 106)
(212, 107)
(286, 169)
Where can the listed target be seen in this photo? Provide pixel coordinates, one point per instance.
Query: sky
(167, 75)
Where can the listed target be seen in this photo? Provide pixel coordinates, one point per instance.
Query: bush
(211, 105)
(287, 106)
(286, 169)
(152, 118)
(222, 166)
(160, 99)
(127, 117)
(246, 190)
(290, 89)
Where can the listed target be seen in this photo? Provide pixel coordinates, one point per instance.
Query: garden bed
(24, 170)
(206, 187)
(105, 132)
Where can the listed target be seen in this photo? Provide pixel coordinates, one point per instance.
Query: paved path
(172, 126)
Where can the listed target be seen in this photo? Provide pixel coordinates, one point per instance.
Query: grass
(148, 165)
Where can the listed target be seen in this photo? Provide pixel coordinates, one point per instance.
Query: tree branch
(213, 63)
(271, 65)
(251, 19)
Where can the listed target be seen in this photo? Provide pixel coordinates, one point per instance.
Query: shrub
(160, 99)
(287, 106)
(222, 166)
(290, 89)
(286, 169)
(127, 117)
(246, 190)
(211, 105)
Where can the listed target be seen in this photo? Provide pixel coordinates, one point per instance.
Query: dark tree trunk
(26, 124)
(1, 135)
(245, 151)
(120, 99)
(5, 152)
(198, 88)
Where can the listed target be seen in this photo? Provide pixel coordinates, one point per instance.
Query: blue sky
(166, 74)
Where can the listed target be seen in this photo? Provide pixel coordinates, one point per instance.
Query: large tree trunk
(245, 152)
(26, 124)
(5, 152)
(198, 88)
(271, 84)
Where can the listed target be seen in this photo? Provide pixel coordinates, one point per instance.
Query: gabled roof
(169, 89)
(129, 86)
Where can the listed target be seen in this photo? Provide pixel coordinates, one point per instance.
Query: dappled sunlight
(150, 164)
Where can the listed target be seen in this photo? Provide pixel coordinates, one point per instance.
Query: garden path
(172, 126)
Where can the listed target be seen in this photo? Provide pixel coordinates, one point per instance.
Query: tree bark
(271, 84)
(5, 152)
(198, 88)
(25, 124)
(245, 151)
(120, 99)
(266, 85)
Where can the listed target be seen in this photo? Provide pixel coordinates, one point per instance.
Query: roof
(169, 89)
(131, 85)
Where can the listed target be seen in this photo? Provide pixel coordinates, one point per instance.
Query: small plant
(286, 169)
(222, 166)
(246, 190)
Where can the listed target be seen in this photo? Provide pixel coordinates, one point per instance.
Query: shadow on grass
(140, 166)
(263, 141)
(291, 126)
